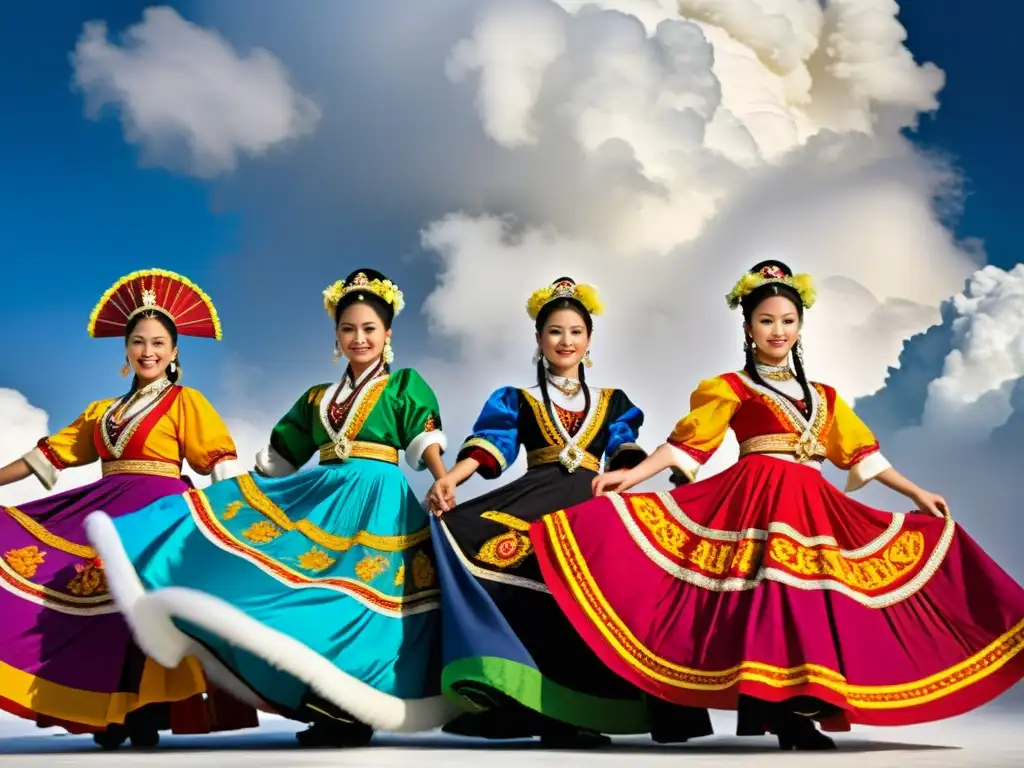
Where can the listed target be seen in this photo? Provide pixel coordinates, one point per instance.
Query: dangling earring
(388, 355)
(125, 370)
(537, 355)
(337, 353)
(587, 360)
(172, 367)
(800, 349)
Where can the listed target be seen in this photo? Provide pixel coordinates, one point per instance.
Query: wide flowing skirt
(315, 592)
(507, 646)
(766, 581)
(66, 654)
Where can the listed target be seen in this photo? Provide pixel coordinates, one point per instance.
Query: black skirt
(507, 646)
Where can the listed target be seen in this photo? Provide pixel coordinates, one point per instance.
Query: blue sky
(77, 211)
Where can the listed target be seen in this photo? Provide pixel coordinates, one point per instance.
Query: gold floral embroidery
(506, 550)
(506, 519)
(423, 574)
(91, 580)
(430, 424)
(316, 560)
(863, 574)
(261, 532)
(233, 509)
(400, 575)
(662, 529)
(24, 561)
(371, 566)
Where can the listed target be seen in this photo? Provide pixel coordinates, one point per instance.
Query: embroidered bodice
(569, 434)
(372, 418)
(768, 422)
(151, 431)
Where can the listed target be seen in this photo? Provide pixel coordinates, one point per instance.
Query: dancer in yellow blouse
(764, 588)
(66, 655)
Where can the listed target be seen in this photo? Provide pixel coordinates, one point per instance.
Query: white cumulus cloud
(962, 438)
(186, 96)
(707, 136)
(23, 425)
(657, 148)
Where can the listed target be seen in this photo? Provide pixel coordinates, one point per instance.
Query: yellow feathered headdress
(564, 288)
(772, 273)
(379, 286)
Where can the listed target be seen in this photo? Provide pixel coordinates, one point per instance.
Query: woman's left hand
(931, 503)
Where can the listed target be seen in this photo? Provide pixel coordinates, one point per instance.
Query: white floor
(990, 737)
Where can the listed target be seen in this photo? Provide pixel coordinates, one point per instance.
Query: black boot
(335, 733)
(557, 735)
(112, 738)
(798, 733)
(144, 725)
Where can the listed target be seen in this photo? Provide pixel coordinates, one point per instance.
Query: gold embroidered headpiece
(803, 284)
(380, 287)
(155, 290)
(564, 288)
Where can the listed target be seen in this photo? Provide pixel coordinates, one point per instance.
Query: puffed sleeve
(850, 445)
(495, 439)
(699, 433)
(291, 442)
(623, 451)
(419, 417)
(204, 438)
(73, 446)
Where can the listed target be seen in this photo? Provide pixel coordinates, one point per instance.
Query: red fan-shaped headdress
(155, 290)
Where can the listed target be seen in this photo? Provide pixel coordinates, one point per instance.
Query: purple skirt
(66, 654)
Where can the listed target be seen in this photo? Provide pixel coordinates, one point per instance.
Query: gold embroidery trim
(366, 401)
(256, 499)
(90, 580)
(783, 442)
(592, 424)
(569, 560)
(488, 447)
(116, 448)
(140, 467)
(371, 566)
(26, 560)
(316, 560)
(37, 531)
(505, 518)
(550, 455)
(423, 573)
(360, 450)
(261, 532)
(506, 550)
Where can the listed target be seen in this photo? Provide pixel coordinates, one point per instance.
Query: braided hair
(542, 317)
(749, 305)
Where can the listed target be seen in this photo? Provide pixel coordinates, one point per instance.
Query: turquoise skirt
(317, 588)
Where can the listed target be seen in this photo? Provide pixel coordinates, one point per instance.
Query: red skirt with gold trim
(767, 581)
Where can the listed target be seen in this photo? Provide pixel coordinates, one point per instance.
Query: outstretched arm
(15, 471)
(623, 479)
(693, 441)
(926, 501)
(433, 461)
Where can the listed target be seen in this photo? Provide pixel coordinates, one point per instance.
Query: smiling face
(361, 335)
(774, 325)
(150, 348)
(564, 341)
